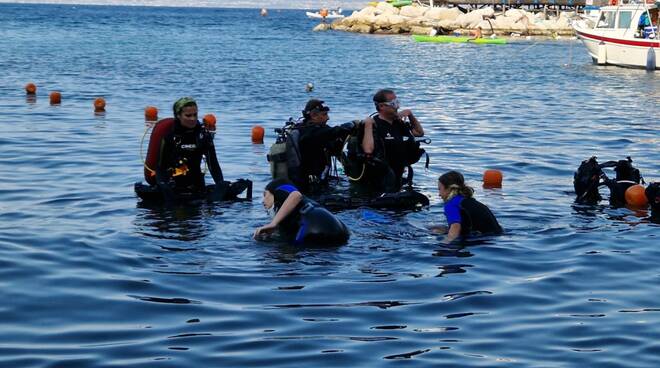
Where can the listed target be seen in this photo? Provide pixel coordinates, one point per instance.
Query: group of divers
(380, 149)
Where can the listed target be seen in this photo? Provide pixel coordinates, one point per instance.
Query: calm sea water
(90, 277)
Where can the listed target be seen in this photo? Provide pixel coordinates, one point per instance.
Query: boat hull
(621, 52)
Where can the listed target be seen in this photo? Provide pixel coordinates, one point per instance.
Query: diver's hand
(264, 230)
(406, 114)
(438, 229)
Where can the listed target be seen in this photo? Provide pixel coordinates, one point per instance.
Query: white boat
(326, 14)
(615, 38)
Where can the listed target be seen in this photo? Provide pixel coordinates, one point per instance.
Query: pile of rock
(386, 19)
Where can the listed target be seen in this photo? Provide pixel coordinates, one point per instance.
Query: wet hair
(454, 182)
(280, 189)
(381, 96)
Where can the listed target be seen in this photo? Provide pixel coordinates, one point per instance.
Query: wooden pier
(514, 3)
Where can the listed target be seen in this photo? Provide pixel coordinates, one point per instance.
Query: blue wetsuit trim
(301, 233)
(287, 188)
(453, 210)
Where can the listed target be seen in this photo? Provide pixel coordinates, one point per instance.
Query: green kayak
(400, 3)
(458, 39)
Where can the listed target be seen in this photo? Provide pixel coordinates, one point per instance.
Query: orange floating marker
(636, 197)
(30, 89)
(257, 134)
(150, 113)
(99, 104)
(55, 98)
(492, 179)
(209, 122)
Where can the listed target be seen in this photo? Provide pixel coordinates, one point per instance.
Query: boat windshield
(625, 18)
(606, 19)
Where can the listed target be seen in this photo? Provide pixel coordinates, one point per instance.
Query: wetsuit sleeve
(453, 212)
(162, 174)
(212, 162)
(325, 136)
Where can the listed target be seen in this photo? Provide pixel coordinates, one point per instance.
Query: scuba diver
(318, 143)
(465, 215)
(303, 152)
(300, 219)
(386, 146)
(173, 164)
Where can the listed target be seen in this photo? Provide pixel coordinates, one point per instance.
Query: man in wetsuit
(389, 141)
(181, 150)
(318, 143)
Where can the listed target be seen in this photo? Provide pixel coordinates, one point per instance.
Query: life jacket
(162, 128)
(476, 217)
(284, 155)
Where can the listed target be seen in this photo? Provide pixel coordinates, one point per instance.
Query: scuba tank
(284, 154)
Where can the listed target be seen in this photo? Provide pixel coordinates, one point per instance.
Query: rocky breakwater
(386, 19)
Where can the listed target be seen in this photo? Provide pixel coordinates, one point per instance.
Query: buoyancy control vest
(162, 128)
(394, 145)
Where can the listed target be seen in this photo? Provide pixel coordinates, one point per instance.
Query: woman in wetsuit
(299, 218)
(465, 215)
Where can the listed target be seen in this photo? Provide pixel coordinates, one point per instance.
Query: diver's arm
(163, 177)
(416, 126)
(288, 206)
(454, 232)
(214, 165)
(368, 140)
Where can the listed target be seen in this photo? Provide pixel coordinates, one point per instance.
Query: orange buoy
(636, 197)
(99, 104)
(492, 179)
(323, 12)
(257, 134)
(55, 98)
(30, 89)
(209, 121)
(150, 113)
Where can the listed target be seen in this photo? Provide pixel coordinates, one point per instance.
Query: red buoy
(492, 179)
(99, 104)
(636, 197)
(150, 113)
(55, 98)
(257, 134)
(30, 88)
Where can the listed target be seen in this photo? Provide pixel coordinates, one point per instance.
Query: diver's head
(185, 111)
(386, 102)
(316, 112)
(276, 192)
(452, 183)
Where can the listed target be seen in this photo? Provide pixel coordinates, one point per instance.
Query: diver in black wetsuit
(318, 142)
(465, 215)
(180, 156)
(177, 158)
(389, 143)
(299, 218)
